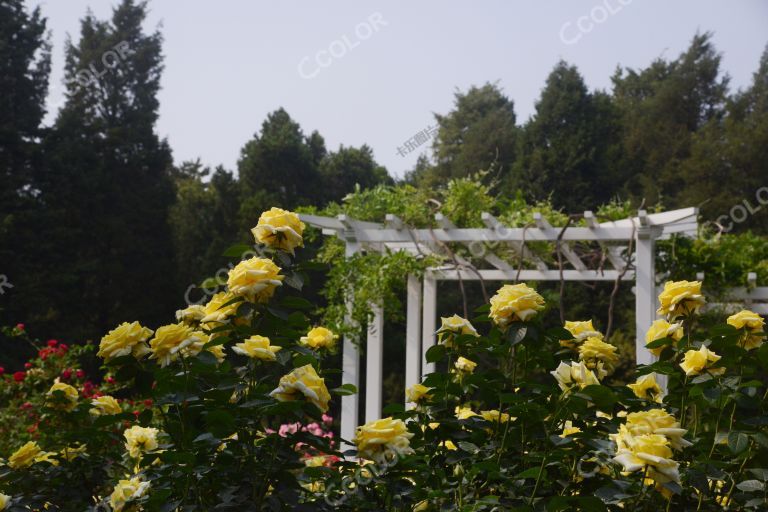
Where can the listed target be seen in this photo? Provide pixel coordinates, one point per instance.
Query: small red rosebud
(52, 343)
(136, 413)
(27, 365)
(148, 402)
(63, 347)
(80, 374)
(26, 405)
(19, 376)
(20, 327)
(66, 374)
(110, 380)
(2, 370)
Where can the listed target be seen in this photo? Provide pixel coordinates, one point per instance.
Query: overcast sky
(374, 72)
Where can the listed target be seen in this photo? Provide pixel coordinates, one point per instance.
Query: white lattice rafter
(614, 238)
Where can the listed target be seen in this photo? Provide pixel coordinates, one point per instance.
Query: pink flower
(52, 343)
(327, 419)
(2, 370)
(20, 327)
(27, 365)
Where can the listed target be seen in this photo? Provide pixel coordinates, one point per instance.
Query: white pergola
(628, 254)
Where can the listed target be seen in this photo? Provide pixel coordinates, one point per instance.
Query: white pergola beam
(452, 274)
(429, 322)
(350, 372)
(413, 332)
(569, 254)
(493, 223)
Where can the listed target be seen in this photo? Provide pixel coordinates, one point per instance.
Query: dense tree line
(98, 225)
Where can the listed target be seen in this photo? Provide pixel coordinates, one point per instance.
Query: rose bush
(518, 415)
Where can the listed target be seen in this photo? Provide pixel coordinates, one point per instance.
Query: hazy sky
(374, 72)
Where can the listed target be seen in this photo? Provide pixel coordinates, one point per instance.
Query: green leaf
(530, 473)
(237, 251)
(750, 486)
(601, 396)
(345, 389)
(435, 353)
(738, 442)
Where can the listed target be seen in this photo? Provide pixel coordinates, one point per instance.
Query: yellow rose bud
(70, 453)
(191, 315)
(105, 405)
(320, 337)
(257, 347)
(662, 329)
(751, 323)
(697, 361)
(453, 325)
(255, 279)
(303, 381)
(140, 440)
(125, 339)
(4, 500)
(127, 490)
(464, 365)
(280, 229)
(680, 298)
(598, 356)
(515, 302)
(581, 330)
(495, 416)
(24, 456)
(647, 388)
(70, 396)
(376, 438)
(173, 340)
(417, 392)
(574, 375)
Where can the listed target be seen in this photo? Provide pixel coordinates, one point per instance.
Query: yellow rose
(573, 375)
(4, 499)
(495, 416)
(464, 365)
(140, 440)
(752, 323)
(647, 388)
(304, 381)
(417, 392)
(598, 356)
(376, 438)
(218, 352)
(651, 452)
(454, 325)
(515, 302)
(218, 311)
(662, 329)
(680, 298)
(24, 456)
(580, 330)
(191, 315)
(170, 341)
(255, 279)
(126, 338)
(464, 413)
(257, 347)
(105, 405)
(280, 229)
(569, 429)
(320, 337)
(653, 421)
(697, 361)
(126, 491)
(448, 445)
(70, 396)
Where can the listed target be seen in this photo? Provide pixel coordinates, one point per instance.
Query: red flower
(66, 374)
(110, 380)
(148, 402)
(19, 376)
(20, 327)
(80, 374)
(52, 343)
(2, 370)
(27, 365)
(26, 405)
(63, 347)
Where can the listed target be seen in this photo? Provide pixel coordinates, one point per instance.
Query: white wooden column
(645, 289)
(429, 322)
(374, 358)
(413, 333)
(350, 371)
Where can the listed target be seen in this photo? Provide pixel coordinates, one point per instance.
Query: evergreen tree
(569, 148)
(106, 187)
(349, 168)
